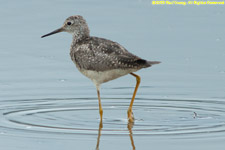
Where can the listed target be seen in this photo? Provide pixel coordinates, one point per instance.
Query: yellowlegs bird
(100, 59)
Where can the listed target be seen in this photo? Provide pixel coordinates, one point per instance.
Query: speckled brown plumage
(98, 54)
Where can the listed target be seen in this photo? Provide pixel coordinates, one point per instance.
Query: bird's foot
(101, 114)
(130, 115)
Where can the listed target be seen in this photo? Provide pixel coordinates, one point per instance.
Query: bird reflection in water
(99, 134)
(130, 125)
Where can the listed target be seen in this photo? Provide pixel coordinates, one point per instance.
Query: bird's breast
(99, 77)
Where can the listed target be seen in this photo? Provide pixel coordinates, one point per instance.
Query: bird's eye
(68, 23)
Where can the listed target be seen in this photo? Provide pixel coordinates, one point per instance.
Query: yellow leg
(129, 111)
(100, 105)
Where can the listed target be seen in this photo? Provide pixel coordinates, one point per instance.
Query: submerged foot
(130, 115)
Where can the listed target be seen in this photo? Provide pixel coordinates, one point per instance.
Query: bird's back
(100, 54)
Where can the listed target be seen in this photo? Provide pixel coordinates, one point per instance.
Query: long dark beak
(53, 32)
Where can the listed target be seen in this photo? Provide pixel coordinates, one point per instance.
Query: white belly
(104, 76)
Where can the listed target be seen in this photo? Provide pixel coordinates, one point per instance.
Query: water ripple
(154, 117)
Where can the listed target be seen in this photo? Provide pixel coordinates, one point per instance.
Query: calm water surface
(45, 103)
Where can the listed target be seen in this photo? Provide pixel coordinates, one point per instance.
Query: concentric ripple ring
(153, 117)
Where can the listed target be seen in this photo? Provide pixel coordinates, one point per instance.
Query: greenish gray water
(47, 104)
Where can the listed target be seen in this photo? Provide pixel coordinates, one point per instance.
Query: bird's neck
(78, 39)
(81, 33)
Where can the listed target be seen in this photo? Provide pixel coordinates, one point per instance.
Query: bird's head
(76, 25)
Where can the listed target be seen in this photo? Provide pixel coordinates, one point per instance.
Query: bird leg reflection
(129, 127)
(129, 111)
(99, 134)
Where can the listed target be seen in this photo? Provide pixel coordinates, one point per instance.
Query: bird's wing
(102, 55)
